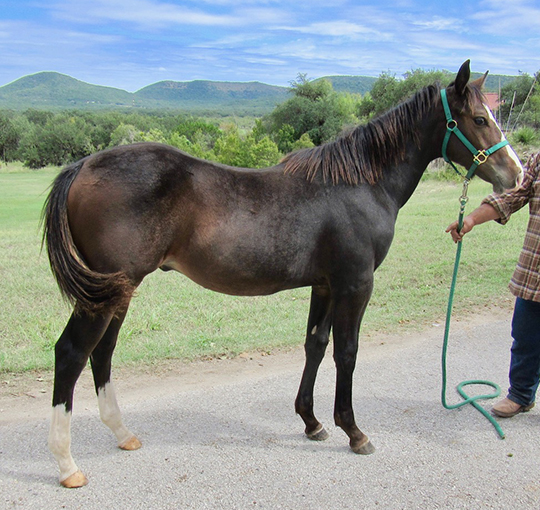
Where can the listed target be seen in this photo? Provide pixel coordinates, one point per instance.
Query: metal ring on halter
(451, 125)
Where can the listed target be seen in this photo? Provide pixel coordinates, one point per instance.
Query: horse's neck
(401, 181)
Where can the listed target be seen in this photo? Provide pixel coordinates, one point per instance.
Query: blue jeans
(525, 352)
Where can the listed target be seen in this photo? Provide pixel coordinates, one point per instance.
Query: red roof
(492, 99)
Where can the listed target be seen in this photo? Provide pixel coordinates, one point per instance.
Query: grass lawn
(174, 318)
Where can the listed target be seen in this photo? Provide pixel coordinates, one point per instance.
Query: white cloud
(504, 18)
(232, 41)
(266, 61)
(145, 13)
(439, 23)
(335, 29)
(152, 14)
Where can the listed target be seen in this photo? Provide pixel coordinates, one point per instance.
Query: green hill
(211, 94)
(50, 90)
(55, 91)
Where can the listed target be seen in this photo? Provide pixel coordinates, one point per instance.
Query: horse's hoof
(131, 444)
(319, 434)
(74, 481)
(363, 448)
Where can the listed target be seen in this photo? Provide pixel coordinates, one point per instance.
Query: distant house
(492, 99)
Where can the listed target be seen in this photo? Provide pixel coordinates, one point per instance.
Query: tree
(194, 148)
(384, 93)
(201, 135)
(304, 142)
(312, 90)
(9, 138)
(231, 149)
(125, 134)
(315, 109)
(523, 91)
(388, 91)
(153, 135)
(285, 138)
(38, 117)
(64, 138)
(192, 127)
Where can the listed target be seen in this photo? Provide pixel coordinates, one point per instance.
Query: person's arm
(485, 212)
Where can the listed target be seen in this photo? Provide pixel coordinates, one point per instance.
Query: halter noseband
(479, 156)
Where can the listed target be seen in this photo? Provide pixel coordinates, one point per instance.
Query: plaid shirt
(525, 282)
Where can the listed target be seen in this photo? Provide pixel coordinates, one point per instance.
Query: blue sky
(129, 44)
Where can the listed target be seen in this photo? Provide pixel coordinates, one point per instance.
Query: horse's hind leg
(101, 368)
(79, 338)
(318, 331)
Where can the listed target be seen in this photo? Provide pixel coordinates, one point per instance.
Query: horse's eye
(480, 121)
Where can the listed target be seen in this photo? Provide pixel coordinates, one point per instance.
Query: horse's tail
(87, 290)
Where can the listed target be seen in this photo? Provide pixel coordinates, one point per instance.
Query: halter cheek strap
(479, 156)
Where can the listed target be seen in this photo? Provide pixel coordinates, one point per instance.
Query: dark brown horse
(323, 217)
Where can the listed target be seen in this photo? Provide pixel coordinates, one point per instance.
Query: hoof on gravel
(131, 444)
(364, 448)
(319, 434)
(74, 481)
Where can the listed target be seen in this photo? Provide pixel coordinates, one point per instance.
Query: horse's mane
(361, 155)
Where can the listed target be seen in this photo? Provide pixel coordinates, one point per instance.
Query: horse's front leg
(318, 331)
(78, 340)
(349, 309)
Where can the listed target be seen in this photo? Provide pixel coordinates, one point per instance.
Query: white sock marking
(110, 413)
(60, 441)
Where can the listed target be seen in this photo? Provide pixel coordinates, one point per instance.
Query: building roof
(492, 99)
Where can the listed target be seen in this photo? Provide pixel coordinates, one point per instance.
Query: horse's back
(129, 205)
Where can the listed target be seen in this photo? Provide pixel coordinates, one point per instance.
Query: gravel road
(223, 435)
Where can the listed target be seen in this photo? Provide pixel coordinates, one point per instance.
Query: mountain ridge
(56, 91)
(51, 90)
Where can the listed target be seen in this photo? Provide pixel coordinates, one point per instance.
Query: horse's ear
(480, 81)
(462, 77)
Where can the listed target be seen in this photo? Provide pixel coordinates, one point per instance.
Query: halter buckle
(481, 157)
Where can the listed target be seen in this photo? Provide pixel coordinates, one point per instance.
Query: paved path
(234, 442)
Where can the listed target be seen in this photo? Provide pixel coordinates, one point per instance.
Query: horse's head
(472, 120)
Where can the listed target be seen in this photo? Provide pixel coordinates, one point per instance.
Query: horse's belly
(239, 279)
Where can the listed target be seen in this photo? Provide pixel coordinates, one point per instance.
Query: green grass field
(174, 318)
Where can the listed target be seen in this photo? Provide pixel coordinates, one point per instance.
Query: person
(524, 373)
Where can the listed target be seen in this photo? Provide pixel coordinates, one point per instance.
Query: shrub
(525, 135)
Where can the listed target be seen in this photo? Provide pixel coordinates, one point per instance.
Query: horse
(323, 217)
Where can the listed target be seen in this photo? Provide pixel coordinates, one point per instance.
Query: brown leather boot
(507, 408)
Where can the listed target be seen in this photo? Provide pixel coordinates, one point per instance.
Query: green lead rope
(460, 390)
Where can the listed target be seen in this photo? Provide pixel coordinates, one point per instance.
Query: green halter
(479, 156)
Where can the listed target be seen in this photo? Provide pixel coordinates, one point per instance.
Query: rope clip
(464, 198)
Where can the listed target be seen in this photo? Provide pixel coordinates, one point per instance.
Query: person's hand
(468, 224)
(485, 212)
